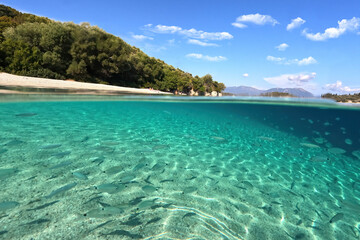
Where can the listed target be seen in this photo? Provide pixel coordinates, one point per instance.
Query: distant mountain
(243, 91)
(250, 91)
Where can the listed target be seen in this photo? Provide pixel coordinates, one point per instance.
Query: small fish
(289, 191)
(25, 114)
(85, 139)
(43, 206)
(14, 143)
(218, 138)
(337, 217)
(104, 212)
(266, 138)
(51, 146)
(124, 233)
(292, 185)
(190, 214)
(8, 205)
(309, 145)
(80, 176)
(38, 221)
(110, 188)
(3, 150)
(3, 232)
(30, 178)
(193, 177)
(135, 201)
(241, 187)
(61, 154)
(275, 202)
(92, 199)
(132, 222)
(147, 180)
(317, 213)
(154, 220)
(62, 189)
(189, 190)
(100, 225)
(7, 172)
(166, 180)
(60, 165)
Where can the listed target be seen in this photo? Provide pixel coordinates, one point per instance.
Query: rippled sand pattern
(145, 170)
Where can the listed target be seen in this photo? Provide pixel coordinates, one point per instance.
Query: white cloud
(239, 25)
(306, 61)
(201, 43)
(338, 87)
(206, 57)
(246, 75)
(142, 37)
(284, 61)
(345, 25)
(191, 33)
(297, 22)
(292, 80)
(275, 59)
(282, 47)
(257, 19)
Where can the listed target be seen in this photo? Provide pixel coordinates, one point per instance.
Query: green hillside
(37, 46)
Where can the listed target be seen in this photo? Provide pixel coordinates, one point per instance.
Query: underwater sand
(175, 170)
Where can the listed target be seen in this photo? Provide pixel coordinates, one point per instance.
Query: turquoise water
(162, 168)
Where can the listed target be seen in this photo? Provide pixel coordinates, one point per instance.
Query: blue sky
(310, 44)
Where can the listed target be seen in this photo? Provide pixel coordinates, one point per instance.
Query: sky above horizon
(313, 45)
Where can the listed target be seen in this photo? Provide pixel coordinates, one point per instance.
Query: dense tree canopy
(39, 47)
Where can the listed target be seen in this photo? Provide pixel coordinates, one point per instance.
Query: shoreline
(10, 84)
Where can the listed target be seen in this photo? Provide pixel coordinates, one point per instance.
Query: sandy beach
(11, 84)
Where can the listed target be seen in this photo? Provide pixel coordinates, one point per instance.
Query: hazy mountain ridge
(250, 91)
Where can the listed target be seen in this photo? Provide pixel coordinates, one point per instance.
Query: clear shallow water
(167, 169)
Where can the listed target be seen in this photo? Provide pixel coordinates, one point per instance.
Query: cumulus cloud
(338, 87)
(295, 23)
(276, 59)
(201, 43)
(284, 61)
(191, 33)
(282, 47)
(206, 57)
(246, 75)
(257, 19)
(292, 80)
(345, 25)
(142, 37)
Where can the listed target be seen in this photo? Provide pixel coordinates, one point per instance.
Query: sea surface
(178, 168)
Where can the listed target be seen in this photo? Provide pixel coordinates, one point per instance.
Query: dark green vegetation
(40, 47)
(355, 98)
(276, 94)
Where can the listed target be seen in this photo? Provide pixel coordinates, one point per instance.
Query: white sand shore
(10, 81)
